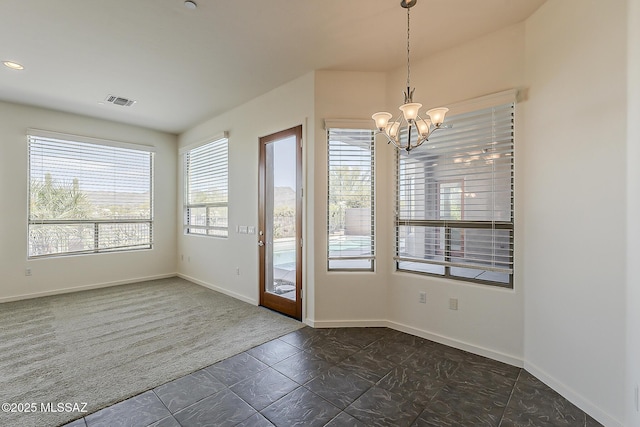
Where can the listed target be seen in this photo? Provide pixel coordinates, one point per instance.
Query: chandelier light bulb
(423, 127)
(437, 115)
(382, 119)
(393, 130)
(410, 111)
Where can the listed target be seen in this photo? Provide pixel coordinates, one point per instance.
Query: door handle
(260, 243)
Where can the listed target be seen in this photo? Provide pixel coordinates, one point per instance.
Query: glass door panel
(281, 222)
(280, 233)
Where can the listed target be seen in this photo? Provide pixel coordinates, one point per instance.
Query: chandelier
(399, 131)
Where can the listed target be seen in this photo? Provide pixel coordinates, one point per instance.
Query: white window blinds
(207, 189)
(350, 220)
(455, 200)
(88, 197)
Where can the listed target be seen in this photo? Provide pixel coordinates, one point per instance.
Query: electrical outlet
(27, 271)
(423, 298)
(453, 303)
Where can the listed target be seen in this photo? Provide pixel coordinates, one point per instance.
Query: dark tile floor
(347, 377)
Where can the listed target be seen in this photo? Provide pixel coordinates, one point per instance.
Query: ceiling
(183, 66)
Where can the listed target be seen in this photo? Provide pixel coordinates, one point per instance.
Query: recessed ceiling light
(13, 65)
(189, 4)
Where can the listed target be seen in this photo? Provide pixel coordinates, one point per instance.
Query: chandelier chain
(408, 62)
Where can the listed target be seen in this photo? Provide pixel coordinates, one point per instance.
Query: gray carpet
(105, 345)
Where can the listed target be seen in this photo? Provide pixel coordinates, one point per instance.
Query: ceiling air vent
(118, 100)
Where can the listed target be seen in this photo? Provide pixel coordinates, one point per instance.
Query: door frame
(272, 301)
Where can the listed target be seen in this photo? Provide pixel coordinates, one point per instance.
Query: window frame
(448, 225)
(215, 231)
(42, 136)
(337, 125)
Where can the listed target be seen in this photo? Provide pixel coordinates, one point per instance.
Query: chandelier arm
(390, 141)
(435, 128)
(420, 142)
(399, 119)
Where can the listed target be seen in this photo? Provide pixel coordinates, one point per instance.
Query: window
(455, 200)
(350, 218)
(88, 196)
(206, 170)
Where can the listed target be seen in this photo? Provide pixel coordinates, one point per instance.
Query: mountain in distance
(284, 196)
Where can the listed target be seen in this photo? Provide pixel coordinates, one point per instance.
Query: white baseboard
(573, 397)
(85, 287)
(461, 345)
(347, 323)
(492, 354)
(218, 289)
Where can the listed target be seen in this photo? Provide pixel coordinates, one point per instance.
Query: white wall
(633, 213)
(489, 320)
(486, 65)
(55, 275)
(213, 261)
(574, 202)
(349, 298)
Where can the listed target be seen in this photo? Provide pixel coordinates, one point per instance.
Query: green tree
(52, 201)
(56, 201)
(350, 187)
(284, 222)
